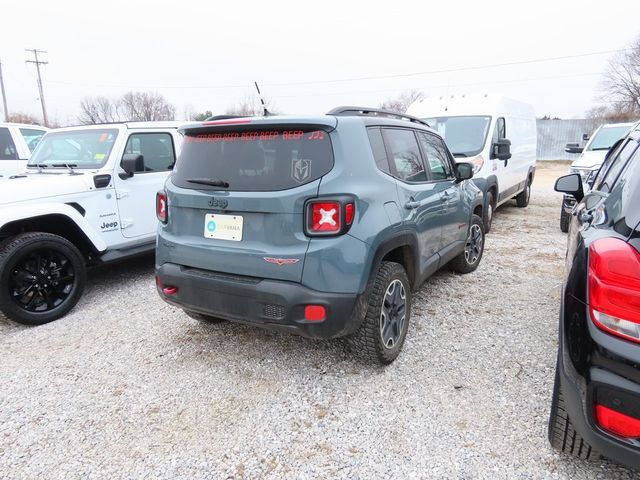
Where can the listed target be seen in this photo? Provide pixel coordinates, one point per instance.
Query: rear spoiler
(324, 122)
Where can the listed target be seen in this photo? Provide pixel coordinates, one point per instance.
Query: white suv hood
(590, 159)
(36, 186)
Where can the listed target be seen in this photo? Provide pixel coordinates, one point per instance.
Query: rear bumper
(272, 304)
(602, 382)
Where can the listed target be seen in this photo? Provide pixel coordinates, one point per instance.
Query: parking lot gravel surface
(129, 387)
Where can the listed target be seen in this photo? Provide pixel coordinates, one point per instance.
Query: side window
(377, 147)
(609, 171)
(405, 155)
(156, 148)
(437, 158)
(500, 131)
(7, 147)
(31, 137)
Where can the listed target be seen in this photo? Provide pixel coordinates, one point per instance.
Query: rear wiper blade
(209, 182)
(464, 155)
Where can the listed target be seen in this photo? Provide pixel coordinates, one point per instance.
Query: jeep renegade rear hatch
(238, 194)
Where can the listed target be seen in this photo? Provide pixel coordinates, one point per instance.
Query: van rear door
(236, 197)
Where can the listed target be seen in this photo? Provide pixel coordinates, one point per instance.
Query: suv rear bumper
(272, 304)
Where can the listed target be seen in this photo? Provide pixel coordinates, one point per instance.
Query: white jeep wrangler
(88, 197)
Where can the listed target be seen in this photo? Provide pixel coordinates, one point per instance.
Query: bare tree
(21, 117)
(145, 106)
(98, 110)
(401, 102)
(251, 106)
(621, 82)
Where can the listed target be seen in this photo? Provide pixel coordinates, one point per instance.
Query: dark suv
(596, 398)
(320, 226)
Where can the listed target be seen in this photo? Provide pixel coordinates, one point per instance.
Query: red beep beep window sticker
(103, 137)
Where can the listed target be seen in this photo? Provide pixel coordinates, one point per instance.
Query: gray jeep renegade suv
(320, 226)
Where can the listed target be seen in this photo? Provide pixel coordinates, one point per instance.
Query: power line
(355, 79)
(38, 63)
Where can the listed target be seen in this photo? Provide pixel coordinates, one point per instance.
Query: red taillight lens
(617, 423)
(314, 313)
(161, 206)
(349, 210)
(325, 217)
(614, 287)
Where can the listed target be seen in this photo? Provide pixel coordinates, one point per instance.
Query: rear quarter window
(254, 160)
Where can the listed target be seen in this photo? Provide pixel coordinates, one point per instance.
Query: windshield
(77, 149)
(465, 136)
(606, 137)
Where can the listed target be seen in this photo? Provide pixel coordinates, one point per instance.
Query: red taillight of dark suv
(614, 288)
(329, 216)
(161, 206)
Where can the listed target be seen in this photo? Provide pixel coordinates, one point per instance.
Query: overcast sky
(205, 55)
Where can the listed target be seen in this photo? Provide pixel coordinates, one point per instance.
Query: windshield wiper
(65, 165)
(39, 166)
(209, 182)
(600, 148)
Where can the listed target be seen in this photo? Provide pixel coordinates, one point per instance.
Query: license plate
(223, 227)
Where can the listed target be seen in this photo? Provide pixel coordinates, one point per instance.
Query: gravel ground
(129, 387)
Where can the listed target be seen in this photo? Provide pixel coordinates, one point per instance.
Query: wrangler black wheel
(42, 277)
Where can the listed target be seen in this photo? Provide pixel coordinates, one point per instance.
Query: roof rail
(376, 112)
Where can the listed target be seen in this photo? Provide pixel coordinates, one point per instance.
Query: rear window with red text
(253, 160)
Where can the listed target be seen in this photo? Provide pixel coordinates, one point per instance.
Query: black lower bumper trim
(273, 304)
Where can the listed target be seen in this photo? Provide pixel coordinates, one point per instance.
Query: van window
(500, 131)
(7, 147)
(405, 155)
(465, 136)
(253, 160)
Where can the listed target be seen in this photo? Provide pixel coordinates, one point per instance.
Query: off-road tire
(13, 250)
(367, 343)
(565, 218)
(462, 263)
(201, 317)
(522, 199)
(561, 433)
(490, 211)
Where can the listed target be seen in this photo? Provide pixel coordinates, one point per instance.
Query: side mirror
(131, 163)
(464, 171)
(573, 148)
(501, 149)
(585, 137)
(570, 185)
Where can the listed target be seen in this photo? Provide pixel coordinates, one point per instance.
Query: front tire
(381, 336)
(470, 258)
(564, 220)
(490, 210)
(522, 199)
(42, 277)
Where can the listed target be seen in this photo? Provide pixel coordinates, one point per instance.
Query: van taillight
(161, 206)
(614, 288)
(329, 216)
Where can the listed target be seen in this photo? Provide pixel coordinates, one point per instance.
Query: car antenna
(265, 112)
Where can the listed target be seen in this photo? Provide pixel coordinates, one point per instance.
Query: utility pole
(38, 63)
(4, 95)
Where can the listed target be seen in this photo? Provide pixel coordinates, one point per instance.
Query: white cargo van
(17, 141)
(496, 134)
